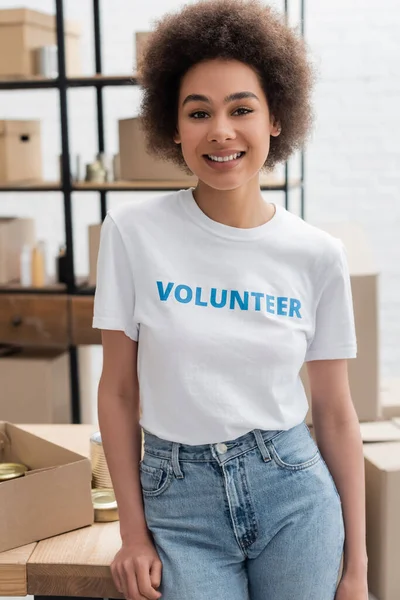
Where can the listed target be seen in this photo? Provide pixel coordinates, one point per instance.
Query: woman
(210, 300)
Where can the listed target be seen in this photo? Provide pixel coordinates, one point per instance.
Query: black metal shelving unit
(62, 83)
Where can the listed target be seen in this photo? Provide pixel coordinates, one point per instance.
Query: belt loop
(175, 460)
(261, 445)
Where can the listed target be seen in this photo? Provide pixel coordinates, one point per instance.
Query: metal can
(12, 471)
(47, 61)
(100, 474)
(104, 505)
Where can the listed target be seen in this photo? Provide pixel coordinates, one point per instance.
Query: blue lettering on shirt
(183, 293)
(213, 298)
(220, 298)
(242, 303)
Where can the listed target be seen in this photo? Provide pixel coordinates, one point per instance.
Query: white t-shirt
(224, 317)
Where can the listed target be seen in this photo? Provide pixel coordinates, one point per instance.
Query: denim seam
(298, 467)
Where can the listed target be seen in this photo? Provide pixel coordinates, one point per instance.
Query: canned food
(12, 471)
(100, 474)
(105, 505)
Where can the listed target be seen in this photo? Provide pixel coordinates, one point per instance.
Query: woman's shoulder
(137, 211)
(315, 238)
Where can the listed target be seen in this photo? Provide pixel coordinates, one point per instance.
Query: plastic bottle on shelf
(25, 266)
(38, 265)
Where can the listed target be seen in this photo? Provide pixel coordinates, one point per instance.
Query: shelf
(85, 289)
(102, 80)
(140, 185)
(31, 186)
(17, 288)
(33, 83)
(267, 183)
(14, 287)
(39, 82)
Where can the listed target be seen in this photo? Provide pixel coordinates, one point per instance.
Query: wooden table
(75, 564)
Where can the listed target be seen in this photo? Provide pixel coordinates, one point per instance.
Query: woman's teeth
(225, 158)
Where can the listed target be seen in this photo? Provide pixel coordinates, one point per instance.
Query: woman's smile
(226, 163)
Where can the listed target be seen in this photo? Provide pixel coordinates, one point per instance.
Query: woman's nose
(220, 129)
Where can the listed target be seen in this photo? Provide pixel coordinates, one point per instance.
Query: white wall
(352, 161)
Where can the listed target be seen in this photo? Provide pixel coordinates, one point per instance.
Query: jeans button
(222, 448)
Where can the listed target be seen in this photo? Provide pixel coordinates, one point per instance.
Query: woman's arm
(118, 414)
(338, 437)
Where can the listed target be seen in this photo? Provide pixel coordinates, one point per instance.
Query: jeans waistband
(220, 452)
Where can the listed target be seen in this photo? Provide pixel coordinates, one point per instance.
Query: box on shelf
(382, 480)
(14, 233)
(364, 374)
(390, 398)
(23, 31)
(137, 164)
(52, 498)
(141, 38)
(94, 243)
(20, 151)
(35, 386)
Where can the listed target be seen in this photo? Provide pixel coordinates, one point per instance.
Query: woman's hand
(352, 587)
(136, 570)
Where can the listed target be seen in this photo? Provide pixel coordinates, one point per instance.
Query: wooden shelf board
(173, 184)
(266, 181)
(52, 286)
(32, 186)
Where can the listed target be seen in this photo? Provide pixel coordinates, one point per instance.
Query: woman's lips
(223, 165)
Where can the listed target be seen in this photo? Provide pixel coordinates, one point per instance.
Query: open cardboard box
(52, 498)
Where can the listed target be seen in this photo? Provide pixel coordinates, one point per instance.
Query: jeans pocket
(295, 449)
(155, 474)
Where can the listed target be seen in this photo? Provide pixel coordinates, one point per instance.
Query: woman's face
(223, 111)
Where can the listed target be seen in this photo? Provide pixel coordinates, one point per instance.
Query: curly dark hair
(243, 30)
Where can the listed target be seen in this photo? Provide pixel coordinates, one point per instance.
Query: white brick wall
(352, 161)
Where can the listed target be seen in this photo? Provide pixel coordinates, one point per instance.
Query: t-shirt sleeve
(334, 332)
(114, 301)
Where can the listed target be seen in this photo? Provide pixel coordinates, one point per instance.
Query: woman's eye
(199, 114)
(246, 110)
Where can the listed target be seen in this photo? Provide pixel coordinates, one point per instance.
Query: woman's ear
(177, 137)
(275, 128)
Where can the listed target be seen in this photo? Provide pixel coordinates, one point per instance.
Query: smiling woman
(229, 30)
(222, 298)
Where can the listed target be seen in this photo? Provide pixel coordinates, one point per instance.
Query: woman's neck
(243, 207)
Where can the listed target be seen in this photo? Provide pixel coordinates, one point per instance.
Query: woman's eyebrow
(230, 98)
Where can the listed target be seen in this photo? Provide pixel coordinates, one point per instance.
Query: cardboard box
(137, 164)
(52, 498)
(380, 431)
(382, 480)
(35, 387)
(14, 233)
(23, 31)
(381, 446)
(364, 375)
(94, 243)
(390, 398)
(20, 151)
(141, 38)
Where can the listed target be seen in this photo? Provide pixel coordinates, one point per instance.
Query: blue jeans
(255, 518)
